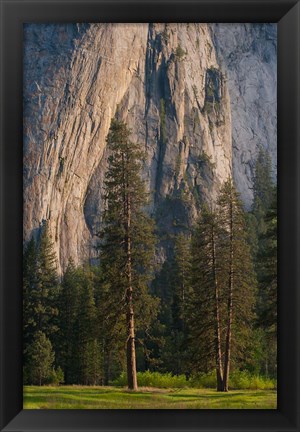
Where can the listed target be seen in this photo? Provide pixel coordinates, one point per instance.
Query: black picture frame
(16, 12)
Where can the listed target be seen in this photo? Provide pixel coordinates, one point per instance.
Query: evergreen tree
(267, 264)
(262, 198)
(40, 290)
(47, 286)
(182, 266)
(160, 344)
(262, 185)
(205, 301)
(29, 288)
(92, 372)
(238, 276)
(127, 238)
(66, 341)
(86, 330)
(79, 349)
(180, 294)
(168, 341)
(220, 310)
(111, 330)
(41, 358)
(262, 226)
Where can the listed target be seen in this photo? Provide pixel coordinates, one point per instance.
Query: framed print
(145, 150)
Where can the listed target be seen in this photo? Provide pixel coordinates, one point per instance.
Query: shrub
(244, 380)
(154, 379)
(204, 381)
(179, 53)
(56, 377)
(204, 159)
(239, 380)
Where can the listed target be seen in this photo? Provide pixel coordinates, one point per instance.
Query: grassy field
(80, 397)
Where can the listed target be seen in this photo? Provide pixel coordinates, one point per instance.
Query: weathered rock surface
(165, 82)
(248, 55)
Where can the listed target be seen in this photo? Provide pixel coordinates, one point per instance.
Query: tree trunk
(219, 366)
(267, 368)
(106, 367)
(130, 348)
(228, 346)
(230, 308)
(131, 359)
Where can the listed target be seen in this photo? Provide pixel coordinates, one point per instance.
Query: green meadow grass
(82, 397)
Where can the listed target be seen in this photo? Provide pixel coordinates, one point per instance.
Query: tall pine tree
(238, 276)
(205, 308)
(180, 294)
(67, 339)
(263, 240)
(47, 288)
(40, 296)
(263, 186)
(87, 346)
(221, 305)
(267, 264)
(127, 238)
(29, 299)
(41, 357)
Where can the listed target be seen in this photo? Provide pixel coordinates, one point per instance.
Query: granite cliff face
(167, 81)
(248, 54)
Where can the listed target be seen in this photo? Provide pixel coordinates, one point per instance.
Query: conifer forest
(150, 216)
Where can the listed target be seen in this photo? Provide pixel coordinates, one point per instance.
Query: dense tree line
(211, 306)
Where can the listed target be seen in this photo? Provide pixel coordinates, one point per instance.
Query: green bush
(205, 159)
(179, 53)
(239, 380)
(56, 377)
(154, 379)
(204, 381)
(244, 380)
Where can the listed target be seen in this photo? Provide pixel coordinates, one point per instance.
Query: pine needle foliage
(128, 242)
(221, 305)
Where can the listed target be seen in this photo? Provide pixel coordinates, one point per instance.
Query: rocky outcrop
(185, 133)
(248, 54)
(167, 81)
(74, 78)
(77, 78)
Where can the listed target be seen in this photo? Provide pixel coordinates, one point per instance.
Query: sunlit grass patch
(81, 397)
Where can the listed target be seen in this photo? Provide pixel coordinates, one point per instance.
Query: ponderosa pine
(237, 274)
(205, 303)
(127, 237)
(223, 284)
